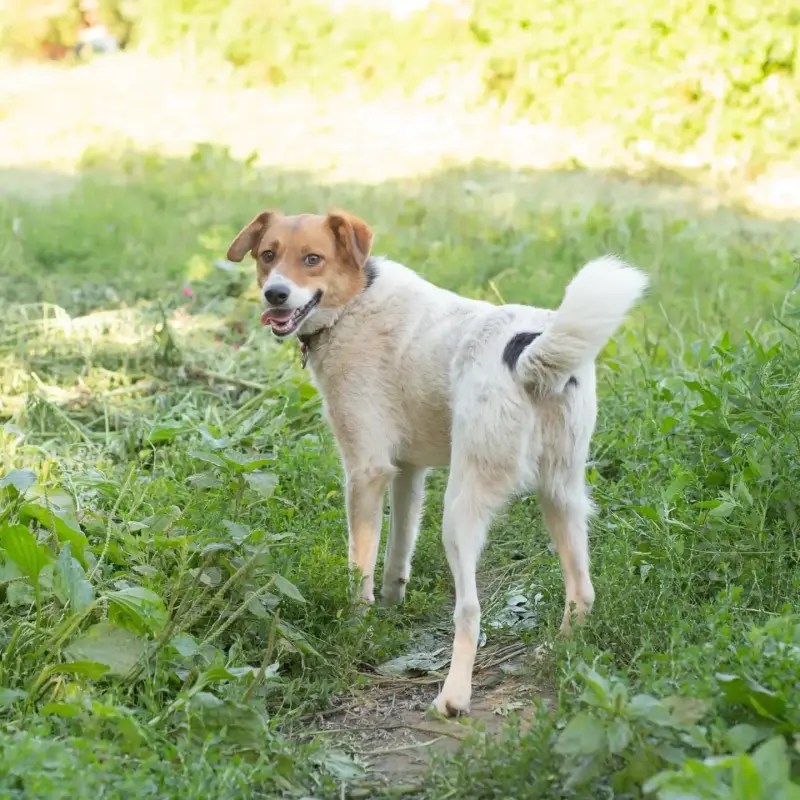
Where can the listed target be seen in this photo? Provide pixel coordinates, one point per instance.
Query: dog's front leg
(366, 488)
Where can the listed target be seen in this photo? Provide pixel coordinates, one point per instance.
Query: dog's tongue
(275, 315)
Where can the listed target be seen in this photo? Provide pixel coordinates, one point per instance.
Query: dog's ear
(353, 236)
(250, 236)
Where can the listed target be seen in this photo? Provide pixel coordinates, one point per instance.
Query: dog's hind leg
(566, 512)
(470, 502)
(407, 494)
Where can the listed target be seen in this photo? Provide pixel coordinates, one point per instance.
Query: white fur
(299, 296)
(596, 301)
(413, 376)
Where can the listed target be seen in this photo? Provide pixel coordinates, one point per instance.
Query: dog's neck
(309, 339)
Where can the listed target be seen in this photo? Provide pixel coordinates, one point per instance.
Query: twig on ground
(394, 726)
(210, 375)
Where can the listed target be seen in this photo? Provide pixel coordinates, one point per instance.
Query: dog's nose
(277, 295)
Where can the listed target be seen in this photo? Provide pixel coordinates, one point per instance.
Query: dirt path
(388, 730)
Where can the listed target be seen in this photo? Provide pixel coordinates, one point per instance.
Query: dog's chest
(372, 398)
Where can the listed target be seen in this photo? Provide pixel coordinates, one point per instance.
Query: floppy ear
(249, 237)
(353, 236)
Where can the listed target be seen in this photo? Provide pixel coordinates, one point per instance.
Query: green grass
(173, 581)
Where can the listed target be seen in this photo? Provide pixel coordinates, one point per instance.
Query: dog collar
(305, 345)
(306, 342)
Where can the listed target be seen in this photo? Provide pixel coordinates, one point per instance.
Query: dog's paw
(453, 702)
(361, 606)
(394, 593)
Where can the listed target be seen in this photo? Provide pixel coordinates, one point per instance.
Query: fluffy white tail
(595, 303)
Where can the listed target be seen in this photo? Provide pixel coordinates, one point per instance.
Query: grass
(174, 606)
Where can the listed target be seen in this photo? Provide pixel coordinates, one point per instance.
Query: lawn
(174, 612)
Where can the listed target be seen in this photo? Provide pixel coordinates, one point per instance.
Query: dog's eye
(312, 260)
(268, 256)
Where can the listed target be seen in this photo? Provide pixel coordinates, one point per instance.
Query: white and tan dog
(414, 376)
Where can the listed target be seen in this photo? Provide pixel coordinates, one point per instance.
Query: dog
(413, 376)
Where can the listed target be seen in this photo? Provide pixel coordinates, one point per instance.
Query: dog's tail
(595, 303)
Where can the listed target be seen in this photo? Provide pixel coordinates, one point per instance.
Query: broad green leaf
(791, 791)
(165, 433)
(210, 440)
(686, 710)
(9, 571)
(771, 761)
(249, 464)
(287, 588)
(676, 487)
(66, 710)
(415, 663)
(22, 548)
(584, 735)
(341, 765)
(239, 725)
(208, 457)
(619, 735)
(668, 424)
(69, 581)
(140, 607)
(724, 509)
(738, 689)
(20, 479)
(208, 577)
(583, 770)
(185, 644)
(742, 737)
(264, 483)
(10, 696)
(158, 523)
(86, 669)
(597, 692)
(256, 607)
(619, 697)
(237, 532)
(647, 707)
(204, 480)
(117, 649)
(216, 547)
(56, 512)
(659, 783)
(20, 593)
(648, 512)
(746, 780)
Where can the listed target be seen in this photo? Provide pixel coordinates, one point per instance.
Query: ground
(180, 453)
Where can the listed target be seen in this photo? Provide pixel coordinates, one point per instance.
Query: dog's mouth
(285, 321)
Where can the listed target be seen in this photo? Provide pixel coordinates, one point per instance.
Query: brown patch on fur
(340, 239)
(250, 235)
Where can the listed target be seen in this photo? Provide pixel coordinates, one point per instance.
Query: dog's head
(305, 264)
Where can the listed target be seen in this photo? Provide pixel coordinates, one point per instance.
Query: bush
(720, 78)
(50, 28)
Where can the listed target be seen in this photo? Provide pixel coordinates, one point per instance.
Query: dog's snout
(277, 295)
